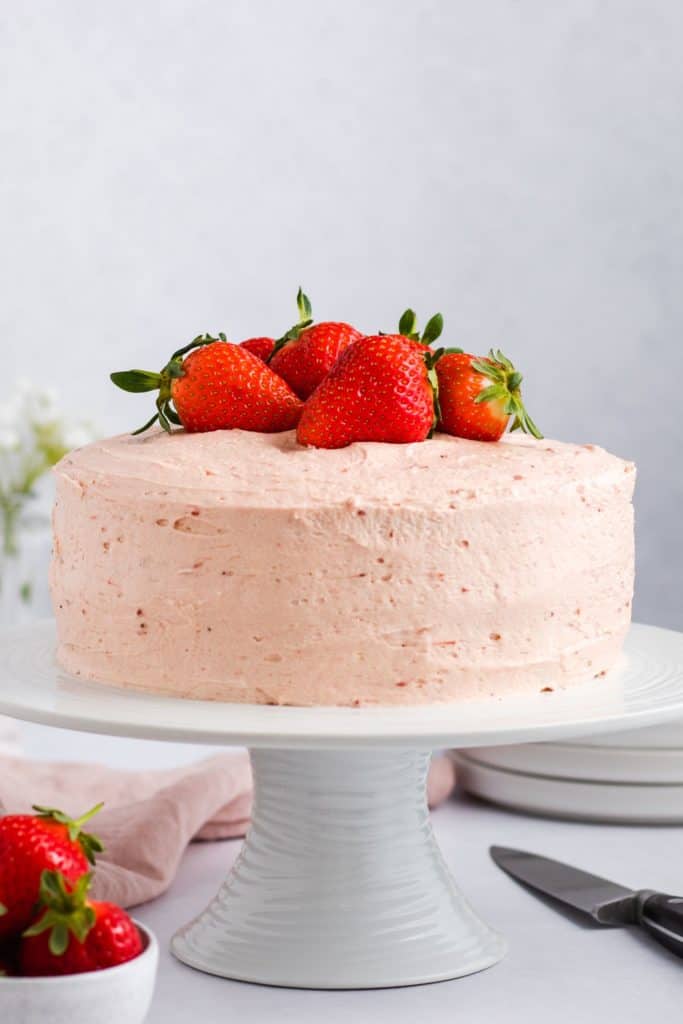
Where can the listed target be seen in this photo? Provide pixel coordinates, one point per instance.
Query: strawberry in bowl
(73, 933)
(64, 956)
(113, 995)
(31, 843)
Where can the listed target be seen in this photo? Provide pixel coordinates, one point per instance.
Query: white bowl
(112, 996)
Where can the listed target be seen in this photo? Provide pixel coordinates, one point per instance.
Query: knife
(606, 902)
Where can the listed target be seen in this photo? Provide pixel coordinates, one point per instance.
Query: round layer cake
(243, 567)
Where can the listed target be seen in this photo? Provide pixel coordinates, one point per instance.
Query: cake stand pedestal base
(340, 882)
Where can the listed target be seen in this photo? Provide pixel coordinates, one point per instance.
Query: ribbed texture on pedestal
(340, 882)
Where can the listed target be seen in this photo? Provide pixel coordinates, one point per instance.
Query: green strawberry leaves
(505, 388)
(433, 330)
(90, 844)
(137, 381)
(303, 305)
(198, 342)
(407, 326)
(67, 912)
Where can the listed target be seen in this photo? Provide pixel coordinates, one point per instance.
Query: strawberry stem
(89, 844)
(303, 304)
(66, 911)
(77, 822)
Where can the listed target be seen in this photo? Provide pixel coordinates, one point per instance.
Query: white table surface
(556, 969)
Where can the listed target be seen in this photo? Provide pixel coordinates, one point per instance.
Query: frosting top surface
(272, 470)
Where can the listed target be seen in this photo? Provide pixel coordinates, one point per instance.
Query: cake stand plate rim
(647, 689)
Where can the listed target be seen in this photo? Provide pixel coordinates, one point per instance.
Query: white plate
(645, 690)
(586, 762)
(570, 799)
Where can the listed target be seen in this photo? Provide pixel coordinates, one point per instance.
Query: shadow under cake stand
(340, 882)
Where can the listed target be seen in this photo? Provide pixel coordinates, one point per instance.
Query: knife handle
(662, 917)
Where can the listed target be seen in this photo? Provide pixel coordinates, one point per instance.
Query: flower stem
(10, 509)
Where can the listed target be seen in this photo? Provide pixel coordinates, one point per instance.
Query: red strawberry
(74, 934)
(261, 347)
(218, 386)
(306, 354)
(28, 845)
(304, 362)
(477, 397)
(380, 389)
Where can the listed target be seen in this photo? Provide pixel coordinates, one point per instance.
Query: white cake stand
(340, 883)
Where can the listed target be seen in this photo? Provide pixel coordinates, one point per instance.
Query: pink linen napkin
(150, 817)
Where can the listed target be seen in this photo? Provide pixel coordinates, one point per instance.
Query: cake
(240, 566)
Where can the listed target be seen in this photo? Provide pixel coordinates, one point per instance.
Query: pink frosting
(242, 567)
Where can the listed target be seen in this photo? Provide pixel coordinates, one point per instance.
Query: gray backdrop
(176, 167)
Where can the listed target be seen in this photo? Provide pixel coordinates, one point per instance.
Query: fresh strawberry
(261, 347)
(306, 361)
(215, 385)
(28, 845)
(306, 354)
(73, 934)
(264, 347)
(477, 397)
(382, 388)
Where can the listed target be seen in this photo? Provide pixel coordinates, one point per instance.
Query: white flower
(10, 439)
(40, 407)
(10, 414)
(33, 434)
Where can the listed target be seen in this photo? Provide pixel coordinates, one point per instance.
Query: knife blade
(605, 901)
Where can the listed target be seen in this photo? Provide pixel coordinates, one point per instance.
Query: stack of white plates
(634, 777)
